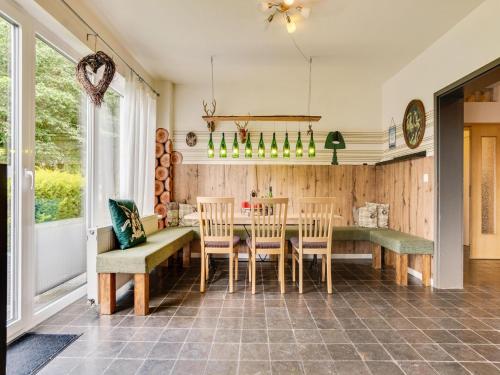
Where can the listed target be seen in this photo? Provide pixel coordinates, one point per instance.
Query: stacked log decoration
(163, 175)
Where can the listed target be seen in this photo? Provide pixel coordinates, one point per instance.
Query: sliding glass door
(60, 223)
(9, 155)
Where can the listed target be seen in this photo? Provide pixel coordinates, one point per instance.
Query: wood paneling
(352, 185)
(411, 199)
(400, 184)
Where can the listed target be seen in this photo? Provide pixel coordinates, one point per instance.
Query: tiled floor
(368, 326)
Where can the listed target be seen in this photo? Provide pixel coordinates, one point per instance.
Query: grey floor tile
(136, 350)
(281, 336)
(255, 368)
(222, 368)
(189, 367)
(60, 366)
(417, 368)
(449, 368)
(318, 367)
(194, 350)
(123, 367)
(283, 352)
(384, 368)
(462, 352)
(165, 350)
(481, 368)
(286, 368)
(343, 352)
(351, 367)
(156, 367)
(224, 352)
(402, 352)
(92, 366)
(432, 352)
(254, 352)
(372, 352)
(313, 352)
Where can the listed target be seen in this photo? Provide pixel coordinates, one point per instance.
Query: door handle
(30, 174)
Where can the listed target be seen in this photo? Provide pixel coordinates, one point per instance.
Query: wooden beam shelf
(291, 118)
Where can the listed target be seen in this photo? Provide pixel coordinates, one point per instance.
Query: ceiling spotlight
(287, 9)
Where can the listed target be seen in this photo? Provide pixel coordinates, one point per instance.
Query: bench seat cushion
(402, 243)
(146, 256)
(352, 233)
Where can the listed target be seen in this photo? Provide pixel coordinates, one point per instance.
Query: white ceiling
(174, 39)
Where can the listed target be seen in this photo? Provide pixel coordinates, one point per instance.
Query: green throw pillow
(126, 223)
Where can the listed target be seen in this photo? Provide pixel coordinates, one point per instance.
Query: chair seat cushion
(221, 244)
(308, 245)
(263, 245)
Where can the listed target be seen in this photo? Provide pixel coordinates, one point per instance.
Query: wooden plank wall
(411, 200)
(400, 184)
(352, 185)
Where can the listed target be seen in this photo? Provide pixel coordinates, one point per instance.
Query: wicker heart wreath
(94, 62)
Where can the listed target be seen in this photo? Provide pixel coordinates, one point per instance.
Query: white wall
(469, 45)
(348, 99)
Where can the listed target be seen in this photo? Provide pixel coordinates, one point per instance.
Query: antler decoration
(242, 130)
(210, 112)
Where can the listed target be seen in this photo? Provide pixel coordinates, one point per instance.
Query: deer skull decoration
(242, 130)
(210, 112)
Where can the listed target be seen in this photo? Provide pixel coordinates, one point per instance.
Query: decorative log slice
(165, 160)
(169, 146)
(169, 184)
(165, 197)
(176, 157)
(161, 209)
(161, 173)
(159, 151)
(161, 135)
(159, 187)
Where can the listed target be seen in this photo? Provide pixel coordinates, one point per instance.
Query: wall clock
(414, 123)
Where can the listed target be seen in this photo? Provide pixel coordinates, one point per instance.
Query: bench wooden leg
(426, 270)
(107, 293)
(186, 255)
(389, 258)
(401, 269)
(376, 256)
(141, 294)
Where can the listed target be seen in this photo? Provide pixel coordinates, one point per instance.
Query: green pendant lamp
(248, 147)
(286, 147)
(274, 147)
(335, 141)
(211, 150)
(236, 147)
(261, 151)
(311, 149)
(298, 148)
(223, 148)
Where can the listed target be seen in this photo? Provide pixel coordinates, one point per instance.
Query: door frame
(448, 210)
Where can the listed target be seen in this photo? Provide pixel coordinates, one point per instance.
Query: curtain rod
(96, 34)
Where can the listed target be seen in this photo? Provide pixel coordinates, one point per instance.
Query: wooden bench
(397, 247)
(139, 261)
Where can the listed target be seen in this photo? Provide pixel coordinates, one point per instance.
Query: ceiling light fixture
(287, 9)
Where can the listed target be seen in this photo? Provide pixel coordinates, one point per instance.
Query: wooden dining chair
(216, 216)
(315, 237)
(268, 217)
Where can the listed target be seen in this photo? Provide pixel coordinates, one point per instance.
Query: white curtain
(137, 145)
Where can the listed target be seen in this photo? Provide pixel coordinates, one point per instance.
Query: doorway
(467, 158)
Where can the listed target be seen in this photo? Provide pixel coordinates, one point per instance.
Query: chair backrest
(316, 219)
(269, 220)
(216, 219)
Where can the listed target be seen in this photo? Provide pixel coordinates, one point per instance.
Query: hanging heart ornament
(94, 62)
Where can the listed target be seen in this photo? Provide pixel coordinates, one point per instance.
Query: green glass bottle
(298, 148)
(236, 147)
(223, 148)
(274, 147)
(262, 147)
(211, 150)
(286, 147)
(248, 147)
(311, 150)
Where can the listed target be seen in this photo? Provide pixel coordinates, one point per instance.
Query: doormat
(31, 352)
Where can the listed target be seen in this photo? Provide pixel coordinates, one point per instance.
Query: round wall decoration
(191, 139)
(414, 123)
